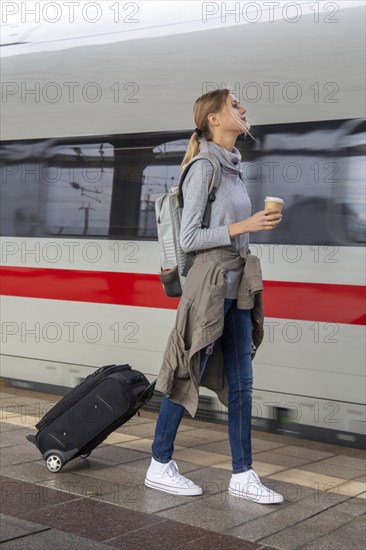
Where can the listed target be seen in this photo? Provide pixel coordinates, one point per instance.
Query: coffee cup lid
(274, 199)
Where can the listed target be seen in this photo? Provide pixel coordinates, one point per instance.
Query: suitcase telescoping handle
(146, 394)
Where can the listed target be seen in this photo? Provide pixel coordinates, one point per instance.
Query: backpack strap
(214, 185)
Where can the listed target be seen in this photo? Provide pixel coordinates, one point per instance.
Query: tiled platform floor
(101, 502)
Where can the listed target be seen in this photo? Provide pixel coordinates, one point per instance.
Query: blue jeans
(236, 343)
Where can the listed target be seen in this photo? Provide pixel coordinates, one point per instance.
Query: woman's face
(231, 117)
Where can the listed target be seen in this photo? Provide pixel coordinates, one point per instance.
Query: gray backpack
(174, 263)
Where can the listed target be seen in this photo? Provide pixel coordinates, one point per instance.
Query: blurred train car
(95, 124)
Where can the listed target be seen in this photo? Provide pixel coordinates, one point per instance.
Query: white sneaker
(166, 478)
(247, 485)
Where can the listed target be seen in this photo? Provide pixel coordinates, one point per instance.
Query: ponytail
(192, 150)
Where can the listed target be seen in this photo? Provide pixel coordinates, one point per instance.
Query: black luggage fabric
(96, 407)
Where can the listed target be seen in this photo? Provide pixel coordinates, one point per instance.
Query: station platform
(100, 502)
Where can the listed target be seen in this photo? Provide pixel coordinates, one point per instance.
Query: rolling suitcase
(83, 418)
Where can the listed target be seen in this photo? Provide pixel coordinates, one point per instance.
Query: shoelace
(173, 473)
(254, 476)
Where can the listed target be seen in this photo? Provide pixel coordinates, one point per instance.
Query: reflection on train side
(106, 187)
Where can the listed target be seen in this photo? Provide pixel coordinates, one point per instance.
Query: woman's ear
(213, 120)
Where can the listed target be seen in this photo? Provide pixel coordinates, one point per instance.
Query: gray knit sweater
(232, 205)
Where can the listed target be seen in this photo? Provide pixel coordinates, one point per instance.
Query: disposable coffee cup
(273, 202)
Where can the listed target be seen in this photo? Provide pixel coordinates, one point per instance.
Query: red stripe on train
(285, 300)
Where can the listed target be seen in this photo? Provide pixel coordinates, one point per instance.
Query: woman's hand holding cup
(269, 218)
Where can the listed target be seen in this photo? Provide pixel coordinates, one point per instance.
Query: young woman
(220, 119)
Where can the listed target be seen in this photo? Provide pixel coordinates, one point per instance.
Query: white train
(94, 127)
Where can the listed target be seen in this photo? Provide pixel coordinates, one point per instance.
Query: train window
(108, 187)
(157, 180)
(77, 189)
(319, 172)
(145, 173)
(20, 176)
(297, 168)
(352, 149)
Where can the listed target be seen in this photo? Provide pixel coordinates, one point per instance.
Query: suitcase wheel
(54, 463)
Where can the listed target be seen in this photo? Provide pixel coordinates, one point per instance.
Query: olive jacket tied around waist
(200, 322)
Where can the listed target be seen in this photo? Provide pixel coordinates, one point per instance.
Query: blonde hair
(211, 102)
